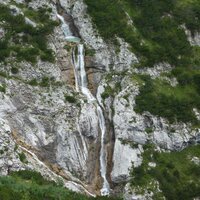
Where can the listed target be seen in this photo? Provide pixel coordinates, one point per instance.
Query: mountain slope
(87, 86)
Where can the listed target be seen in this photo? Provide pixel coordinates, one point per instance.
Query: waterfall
(82, 85)
(66, 30)
(103, 161)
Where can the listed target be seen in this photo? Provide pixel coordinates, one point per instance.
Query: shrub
(3, 88)
(33, 176)
(149, 130)
(33, 82)
(22, 157)
(70, 99)
(156, 23)
(14, 70)
(45, 82)
(107, 92)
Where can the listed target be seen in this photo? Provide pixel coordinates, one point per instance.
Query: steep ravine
(75, 120)
(81, 85)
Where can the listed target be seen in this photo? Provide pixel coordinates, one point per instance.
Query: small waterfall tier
(66, 30)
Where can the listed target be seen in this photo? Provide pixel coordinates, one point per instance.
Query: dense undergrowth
(156, 35)
(155, 31)
(173, 103)
(22, 40)
(30, 185)
(177, 173)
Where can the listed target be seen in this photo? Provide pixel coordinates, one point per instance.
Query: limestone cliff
(50, 127)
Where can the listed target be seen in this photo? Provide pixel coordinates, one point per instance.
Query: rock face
(59, 132)
(132, 128)
(61, 137)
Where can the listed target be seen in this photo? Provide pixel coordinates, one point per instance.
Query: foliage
(173, 103)
(14, 70)
(177, 175)
(70, 99)
(89, 52)
(107, 92)
(156, 35)
(111, 91)
(44, 82)
(31, 185)
(22, 157)
(22, 40)
(33, 82)
(149, 130)
(3, 88)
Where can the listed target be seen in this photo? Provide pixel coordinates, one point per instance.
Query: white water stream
(66, 30)
(82, 85)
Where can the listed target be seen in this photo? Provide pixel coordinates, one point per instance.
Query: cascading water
(66, 30)
(81, 84)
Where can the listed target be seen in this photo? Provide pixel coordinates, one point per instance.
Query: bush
(33, 82)
(45, 82)
(3, 88)
(31, 175)
(70, 99)
(107, 92)
(22, 157)
(149, 130)
(14, 70)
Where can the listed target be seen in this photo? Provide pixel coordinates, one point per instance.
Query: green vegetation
(3, 88)
(149, 130)
(33, 82)
(14, 70)
(156, 36)
(22, 40)
(107, 92)
(31, 185)
(89, 52)
(111, 91)
(22, 157)
(44, 82)
(177, 174)
(70, 99)
(173, 103)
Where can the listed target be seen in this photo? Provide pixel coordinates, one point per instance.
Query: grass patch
(31, 185)
(33, 82)
(111, 91)
(89, 52)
